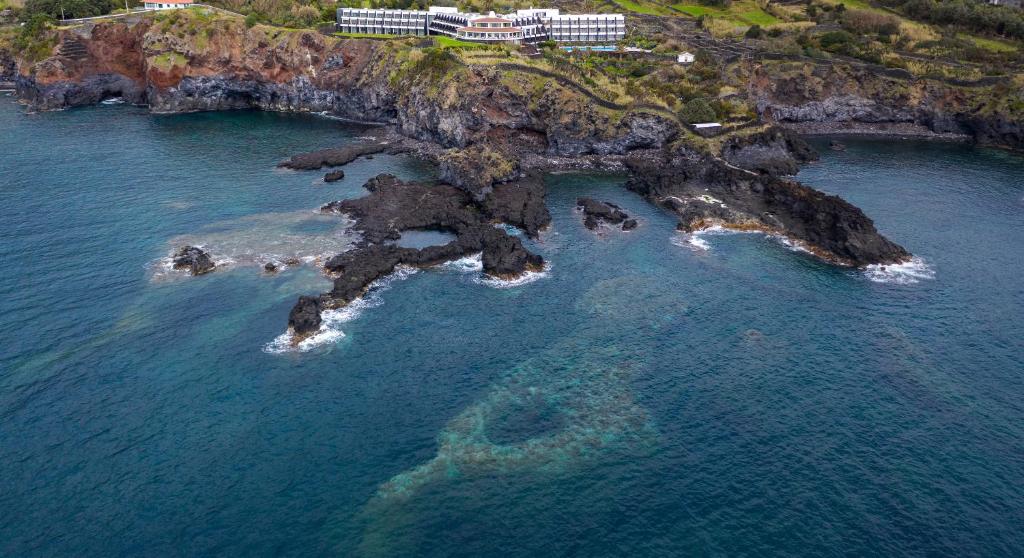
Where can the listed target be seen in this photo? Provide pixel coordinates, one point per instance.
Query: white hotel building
(524, 26)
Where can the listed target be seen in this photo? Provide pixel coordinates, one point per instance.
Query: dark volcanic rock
(196, 261)
(504, 255)
(520, 203)
(836, 146)
(775, 151)
(705, 192)
(304, 319)
(476, 169)
(595, 212)
(332, 157)
(393, 206)
(270, 267)
(334, 176)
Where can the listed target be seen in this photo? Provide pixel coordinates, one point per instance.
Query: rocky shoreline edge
(483, 187)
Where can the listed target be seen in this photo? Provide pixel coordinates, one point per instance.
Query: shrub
(697, 110)
(864, 22)
(755, 32)
(835, 41)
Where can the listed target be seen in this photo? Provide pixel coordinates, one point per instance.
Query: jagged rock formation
(597, 212)
(394, 206)
(304, 319)
(223, 65)
(705, 192)
(334, 176)
(194, 260)
(476, 168)
(835, 97)
(774, 151)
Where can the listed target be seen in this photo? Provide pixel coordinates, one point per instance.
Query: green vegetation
(738, 12)
(697, 111)
(448, 42)
(70, 9)
(643, 7)
(975, 16)
(35, 41)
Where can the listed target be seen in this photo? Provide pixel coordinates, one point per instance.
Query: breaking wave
(906, 273)
(330, 327)
(474, 264)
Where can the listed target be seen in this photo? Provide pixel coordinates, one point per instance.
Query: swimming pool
(601, 48)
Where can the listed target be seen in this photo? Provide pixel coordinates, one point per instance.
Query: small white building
(168, 4)
(685, 58)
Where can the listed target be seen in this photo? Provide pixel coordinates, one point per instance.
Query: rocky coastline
(489, 140)
(393, 207)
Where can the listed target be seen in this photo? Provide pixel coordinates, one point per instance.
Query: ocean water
(650, 394)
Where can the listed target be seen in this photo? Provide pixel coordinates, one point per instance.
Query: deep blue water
(644, 398)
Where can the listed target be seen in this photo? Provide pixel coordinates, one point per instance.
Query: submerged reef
(568, 406)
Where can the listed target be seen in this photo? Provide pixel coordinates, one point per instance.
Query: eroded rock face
(704, 192)
(775, 152)
(520, 203)
(334, 176)
(476, 169)
(194, 260)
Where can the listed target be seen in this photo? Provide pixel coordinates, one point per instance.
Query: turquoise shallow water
(646, 397)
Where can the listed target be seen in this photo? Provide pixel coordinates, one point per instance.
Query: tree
(697, 110)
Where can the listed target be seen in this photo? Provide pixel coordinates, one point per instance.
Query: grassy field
(741, 12)
(448, 42)
(994, 45)
(644, 7)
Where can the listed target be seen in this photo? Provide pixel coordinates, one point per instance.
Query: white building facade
(168, 5)
(524, 26)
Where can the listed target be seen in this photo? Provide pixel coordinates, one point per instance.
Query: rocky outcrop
(774, 151)
(393, 206)
(597, 212)
(334, 176)
(476, 169)
(704, 192)
(519, 203)
(304, 319)
(335, 157)
(194, 260)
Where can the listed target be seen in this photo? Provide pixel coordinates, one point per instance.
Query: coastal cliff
(184, 64)
(844, 98)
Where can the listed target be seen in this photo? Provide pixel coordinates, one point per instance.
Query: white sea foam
(113, 101)
(525, 278)
(474, 265)
(469, 264)
(309, 237)
(906, 273)
(697, 240)
(331, 320)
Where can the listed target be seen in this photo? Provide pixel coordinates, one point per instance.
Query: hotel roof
(489, 19)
